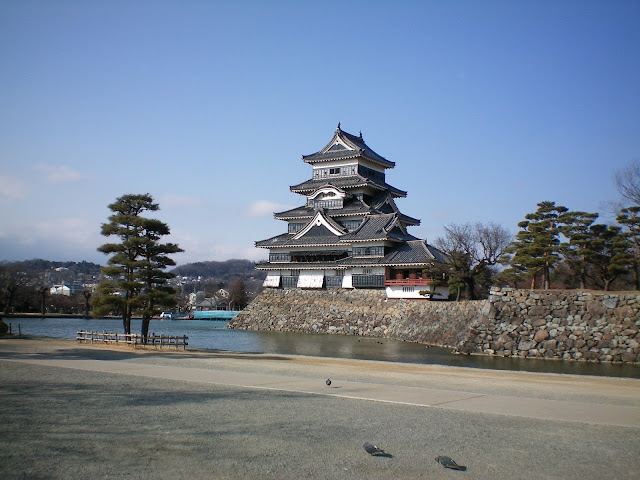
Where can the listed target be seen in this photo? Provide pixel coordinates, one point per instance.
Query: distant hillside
(243, 268)
(39, 266)
(222, 273)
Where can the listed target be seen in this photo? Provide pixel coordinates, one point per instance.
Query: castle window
(295, 227)
(368, 251)
(279, 257)
(337, 203)
(334, 171)
(351, 224)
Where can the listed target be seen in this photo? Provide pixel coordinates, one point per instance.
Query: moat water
(212, 335)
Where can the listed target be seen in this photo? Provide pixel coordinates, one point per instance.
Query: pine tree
(151, 271)
(135, 268)
(537, 246)
(629, 218)
(436, 273)
(578, 251)
(611, 256)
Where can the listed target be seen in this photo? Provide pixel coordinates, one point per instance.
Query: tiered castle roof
(348, 170)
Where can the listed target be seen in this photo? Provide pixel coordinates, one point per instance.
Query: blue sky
(487, 108)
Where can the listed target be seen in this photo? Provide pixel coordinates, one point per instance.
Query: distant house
(60, 290)
(212, 303)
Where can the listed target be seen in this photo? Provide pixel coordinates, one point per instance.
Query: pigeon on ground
(328, 382)
(447, 462)
(372, 449)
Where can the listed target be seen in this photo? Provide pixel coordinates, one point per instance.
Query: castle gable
(320, 226)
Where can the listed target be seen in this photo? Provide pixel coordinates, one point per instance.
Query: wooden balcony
(407, 282)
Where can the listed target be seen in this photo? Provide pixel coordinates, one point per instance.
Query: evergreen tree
(151, 271)
(436, 273)
(511, 275)
(137, 261)
(629, 218)
(537, 246)
(578, 251)
(611, 256)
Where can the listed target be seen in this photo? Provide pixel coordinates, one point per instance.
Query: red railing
(408, 282)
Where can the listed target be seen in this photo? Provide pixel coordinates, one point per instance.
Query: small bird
(447, 462)
(328, 382)
(372, 449)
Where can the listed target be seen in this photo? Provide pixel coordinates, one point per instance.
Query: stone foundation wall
(360, 312)
(571, 325)
(596, 326)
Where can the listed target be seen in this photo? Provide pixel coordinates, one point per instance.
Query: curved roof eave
(356, 147)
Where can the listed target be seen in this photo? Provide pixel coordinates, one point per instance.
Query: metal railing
(408, 282)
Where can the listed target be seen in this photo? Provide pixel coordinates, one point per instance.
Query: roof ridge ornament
(338, 126)
(361, 136)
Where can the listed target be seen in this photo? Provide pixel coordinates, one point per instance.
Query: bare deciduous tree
(628, 181)
(472, 249)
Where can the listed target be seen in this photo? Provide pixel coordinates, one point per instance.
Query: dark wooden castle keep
(349, 233)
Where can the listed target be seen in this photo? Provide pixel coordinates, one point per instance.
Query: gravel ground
(61, 423)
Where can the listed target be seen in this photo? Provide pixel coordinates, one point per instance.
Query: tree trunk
(607, 283)
(546, 277)
(126, 320)
(43, 302)
(470, 284)
(146, 319)
(87, 296)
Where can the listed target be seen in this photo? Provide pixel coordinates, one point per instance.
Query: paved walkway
(592, 411)
(225, 415)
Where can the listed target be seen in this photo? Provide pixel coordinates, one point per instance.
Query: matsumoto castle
(349, 233)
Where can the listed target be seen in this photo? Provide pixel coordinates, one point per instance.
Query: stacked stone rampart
(596, 326)
(360, 312)
(571, 325)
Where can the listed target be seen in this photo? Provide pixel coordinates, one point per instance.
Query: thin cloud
(265, 208)
(60, 238)
(11, 189)
(58, 173)
(197, 249)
